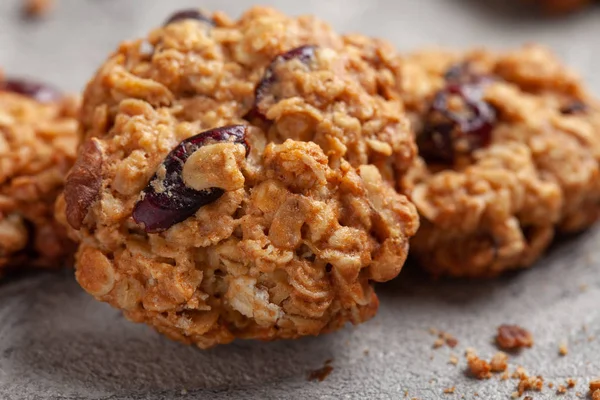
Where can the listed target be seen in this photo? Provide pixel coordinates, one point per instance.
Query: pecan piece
(83, 183)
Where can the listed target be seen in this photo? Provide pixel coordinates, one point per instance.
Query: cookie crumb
(505, 375)
(478, 367)
(562, 349)
(594, 385)
(450, 390)
(571, 383)
(37, 8)
(527, 383)
(322, 373)
(443, 338)
(453, 359)
(528, 398)
(551, 385)
(513, 337)
(561, 389)
(499, 362)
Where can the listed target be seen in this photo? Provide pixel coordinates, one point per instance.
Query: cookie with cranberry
(228, 185)
(38, 139)
(509, 155)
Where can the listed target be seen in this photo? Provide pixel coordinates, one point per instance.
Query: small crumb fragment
(528, 398)
(527, 382)
(453, 359)
(37, 8)
(322, 373)
(561, 389)
(478, 367)
(450, 390)
(515, 395)
(505, 375)
(443, 338)
(499, 362)
(551, 385)
(594, 385)
(513, 337)
(578, 394)
(562, 349)
(571, 383)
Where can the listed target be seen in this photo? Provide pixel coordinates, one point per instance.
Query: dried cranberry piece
(191, 13)
(303, 53)
(575, 107)
(175, 202)
(447, 132)
(37, 91)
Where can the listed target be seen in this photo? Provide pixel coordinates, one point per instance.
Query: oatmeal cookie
(228, 186)
(38, 139)
(509, 154)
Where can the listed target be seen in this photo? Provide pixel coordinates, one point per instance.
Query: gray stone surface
(57, 343)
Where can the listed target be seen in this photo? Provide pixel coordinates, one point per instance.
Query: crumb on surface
(595, 385)
(453, 359)
(450, 390)
(527, 383)
(37, 8)
(513, 337)
(478, 367)
(499, 362)
(563, 350)
(322, 373)
(571, 383)
(505, 375)
(528, 398)
(550, 385)
(443, 338)
(561, 389)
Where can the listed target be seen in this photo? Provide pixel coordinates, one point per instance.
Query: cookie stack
(252, 178)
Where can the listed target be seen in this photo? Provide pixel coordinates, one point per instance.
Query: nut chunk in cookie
(509, 155)
(38, 140)
(203, 207)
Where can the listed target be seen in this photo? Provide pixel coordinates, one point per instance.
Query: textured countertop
(57, 343)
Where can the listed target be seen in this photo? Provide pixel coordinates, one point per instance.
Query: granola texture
(37, 147)
(306, 220)
(499, 176)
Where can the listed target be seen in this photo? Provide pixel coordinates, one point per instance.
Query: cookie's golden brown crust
(498, 208)
(37, 148)
(301, 229)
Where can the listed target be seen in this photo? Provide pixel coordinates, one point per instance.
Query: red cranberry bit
(448, 132)
(37, 91)
(176, 202)
(304, 54)
(189, 14)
